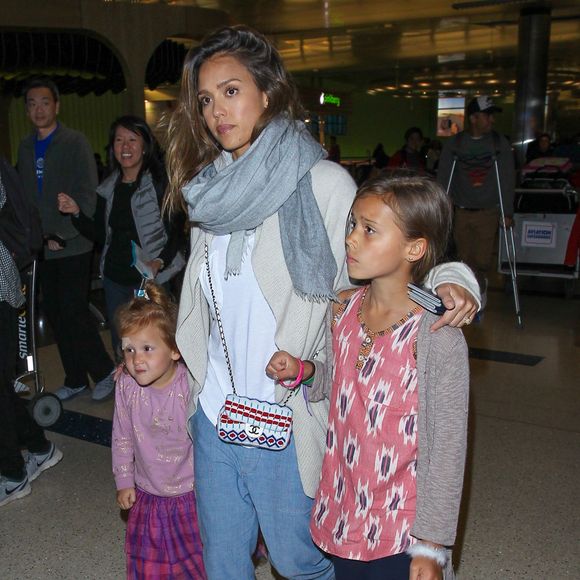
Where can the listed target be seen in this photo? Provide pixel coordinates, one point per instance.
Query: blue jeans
(240, 490)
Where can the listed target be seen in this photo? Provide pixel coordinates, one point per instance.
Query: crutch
(510, 253)
(451, 174)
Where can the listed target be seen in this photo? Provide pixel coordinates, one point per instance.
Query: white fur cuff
(437, 554)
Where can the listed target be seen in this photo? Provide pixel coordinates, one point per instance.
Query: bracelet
(298, 379)
(308, 382)
(437, 554)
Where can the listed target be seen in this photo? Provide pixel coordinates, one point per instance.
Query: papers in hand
(140, 262)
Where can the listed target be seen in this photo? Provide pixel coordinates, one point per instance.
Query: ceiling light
(456, 57)
(486, 3)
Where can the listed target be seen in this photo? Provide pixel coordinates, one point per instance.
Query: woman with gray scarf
(267, 256)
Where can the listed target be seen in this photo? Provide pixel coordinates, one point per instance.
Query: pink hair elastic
(298, 379)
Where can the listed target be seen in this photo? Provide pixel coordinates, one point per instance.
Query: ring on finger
(466, 320)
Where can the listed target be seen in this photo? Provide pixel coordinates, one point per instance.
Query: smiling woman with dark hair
(128, 210)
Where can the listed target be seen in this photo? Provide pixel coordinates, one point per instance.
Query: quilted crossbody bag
(247, 421)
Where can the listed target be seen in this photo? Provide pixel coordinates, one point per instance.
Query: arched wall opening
(88, 72)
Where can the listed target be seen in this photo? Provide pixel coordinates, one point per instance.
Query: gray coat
(148, 221)
(69, 167)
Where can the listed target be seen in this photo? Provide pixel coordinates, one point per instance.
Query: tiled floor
(521, 509)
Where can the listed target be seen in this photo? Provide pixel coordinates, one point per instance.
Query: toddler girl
(392, 476)
(152, 451)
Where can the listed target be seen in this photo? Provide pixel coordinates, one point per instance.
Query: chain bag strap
(247, 421)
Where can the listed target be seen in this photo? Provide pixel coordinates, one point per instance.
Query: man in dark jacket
(17, 428)
(54, 159)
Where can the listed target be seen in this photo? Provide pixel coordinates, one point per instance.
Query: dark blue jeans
(390, 568)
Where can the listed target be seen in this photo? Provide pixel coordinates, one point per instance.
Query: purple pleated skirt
(162, 540)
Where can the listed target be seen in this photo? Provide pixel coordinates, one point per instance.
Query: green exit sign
(329, 99)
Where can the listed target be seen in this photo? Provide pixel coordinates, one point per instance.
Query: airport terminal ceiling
(412, 48)
(417, 46)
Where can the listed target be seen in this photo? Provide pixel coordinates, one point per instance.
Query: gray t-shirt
(474, 182)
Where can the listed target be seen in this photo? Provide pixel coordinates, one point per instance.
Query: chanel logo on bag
(253, 430)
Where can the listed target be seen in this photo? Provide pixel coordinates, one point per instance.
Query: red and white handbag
(247, 421)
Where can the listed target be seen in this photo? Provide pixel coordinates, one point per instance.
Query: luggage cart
(44, 407)
(546, 208)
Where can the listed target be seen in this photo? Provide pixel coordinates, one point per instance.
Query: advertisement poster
(450, 116)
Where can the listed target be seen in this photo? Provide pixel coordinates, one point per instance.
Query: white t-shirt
(249, 327)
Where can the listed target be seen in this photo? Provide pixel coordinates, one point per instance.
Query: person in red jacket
(409, 156)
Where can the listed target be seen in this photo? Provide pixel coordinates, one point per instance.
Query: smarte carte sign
(539, 234)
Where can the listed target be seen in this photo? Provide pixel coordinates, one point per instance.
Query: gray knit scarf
(273, 175)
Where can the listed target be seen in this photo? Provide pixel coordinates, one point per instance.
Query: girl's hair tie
(141, 292)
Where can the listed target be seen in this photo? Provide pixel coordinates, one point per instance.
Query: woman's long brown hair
(190, 146)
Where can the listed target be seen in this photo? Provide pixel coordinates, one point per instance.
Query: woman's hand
(461, 306)
(126, 498)
(423, 568)
(154, 265)
(283, 366)
(66, 204)
(54, 245)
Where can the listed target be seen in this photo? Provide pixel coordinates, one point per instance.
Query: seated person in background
(432, 154)
(409, 156)
(541, 147)
(380, 158)
(334, 150)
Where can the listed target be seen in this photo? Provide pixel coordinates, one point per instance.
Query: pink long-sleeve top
(151, 447)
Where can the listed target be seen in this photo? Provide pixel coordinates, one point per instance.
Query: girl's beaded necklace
(370, 336)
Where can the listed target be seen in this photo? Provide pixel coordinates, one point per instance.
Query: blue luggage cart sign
(539, 234)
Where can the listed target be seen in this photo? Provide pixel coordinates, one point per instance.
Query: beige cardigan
(300, 324)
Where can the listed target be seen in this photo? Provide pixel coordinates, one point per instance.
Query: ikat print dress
(366, 502)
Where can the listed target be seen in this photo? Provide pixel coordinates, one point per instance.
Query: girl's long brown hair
(422, 210)
(190, 146)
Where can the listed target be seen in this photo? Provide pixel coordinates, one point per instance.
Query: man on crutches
(477, 169)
